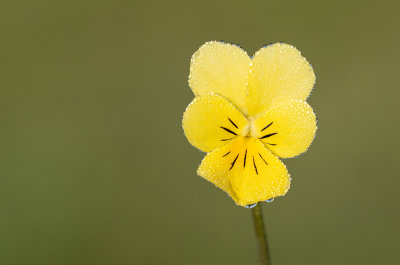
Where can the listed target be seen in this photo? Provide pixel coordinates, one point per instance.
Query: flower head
(246, 113)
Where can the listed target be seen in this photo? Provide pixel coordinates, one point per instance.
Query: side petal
(211, 121)
(287, 129)
(220, 68)
(246, 170)
(279, 72)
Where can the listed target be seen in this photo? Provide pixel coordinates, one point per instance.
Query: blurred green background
(94, 165)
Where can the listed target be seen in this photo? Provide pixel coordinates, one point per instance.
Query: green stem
(261, 235)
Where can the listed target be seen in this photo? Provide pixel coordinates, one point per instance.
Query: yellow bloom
(248, 112)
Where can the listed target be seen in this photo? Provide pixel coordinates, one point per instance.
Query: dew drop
(270, 200)
(251, 206)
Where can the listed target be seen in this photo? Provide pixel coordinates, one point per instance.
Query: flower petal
(220, 68)
(246, 170)
(288, 128)
(279, 72)
(211, 121)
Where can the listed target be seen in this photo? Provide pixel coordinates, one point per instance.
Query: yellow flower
(248, 112)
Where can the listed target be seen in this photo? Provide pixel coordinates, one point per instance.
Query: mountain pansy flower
(246, 113)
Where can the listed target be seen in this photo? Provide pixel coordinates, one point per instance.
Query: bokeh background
(94, 165)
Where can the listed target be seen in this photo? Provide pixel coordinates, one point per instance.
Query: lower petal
(246, 170)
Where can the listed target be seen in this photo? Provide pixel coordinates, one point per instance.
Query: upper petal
(223, 69)
(287, 129)
(211, 121)
(246, 170)
(279, 72)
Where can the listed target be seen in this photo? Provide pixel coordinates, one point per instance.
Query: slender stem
(261, 235)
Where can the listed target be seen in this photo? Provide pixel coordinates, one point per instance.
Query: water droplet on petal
(270, 200)
(251, 206)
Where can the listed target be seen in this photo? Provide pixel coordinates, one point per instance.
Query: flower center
(249, 130)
